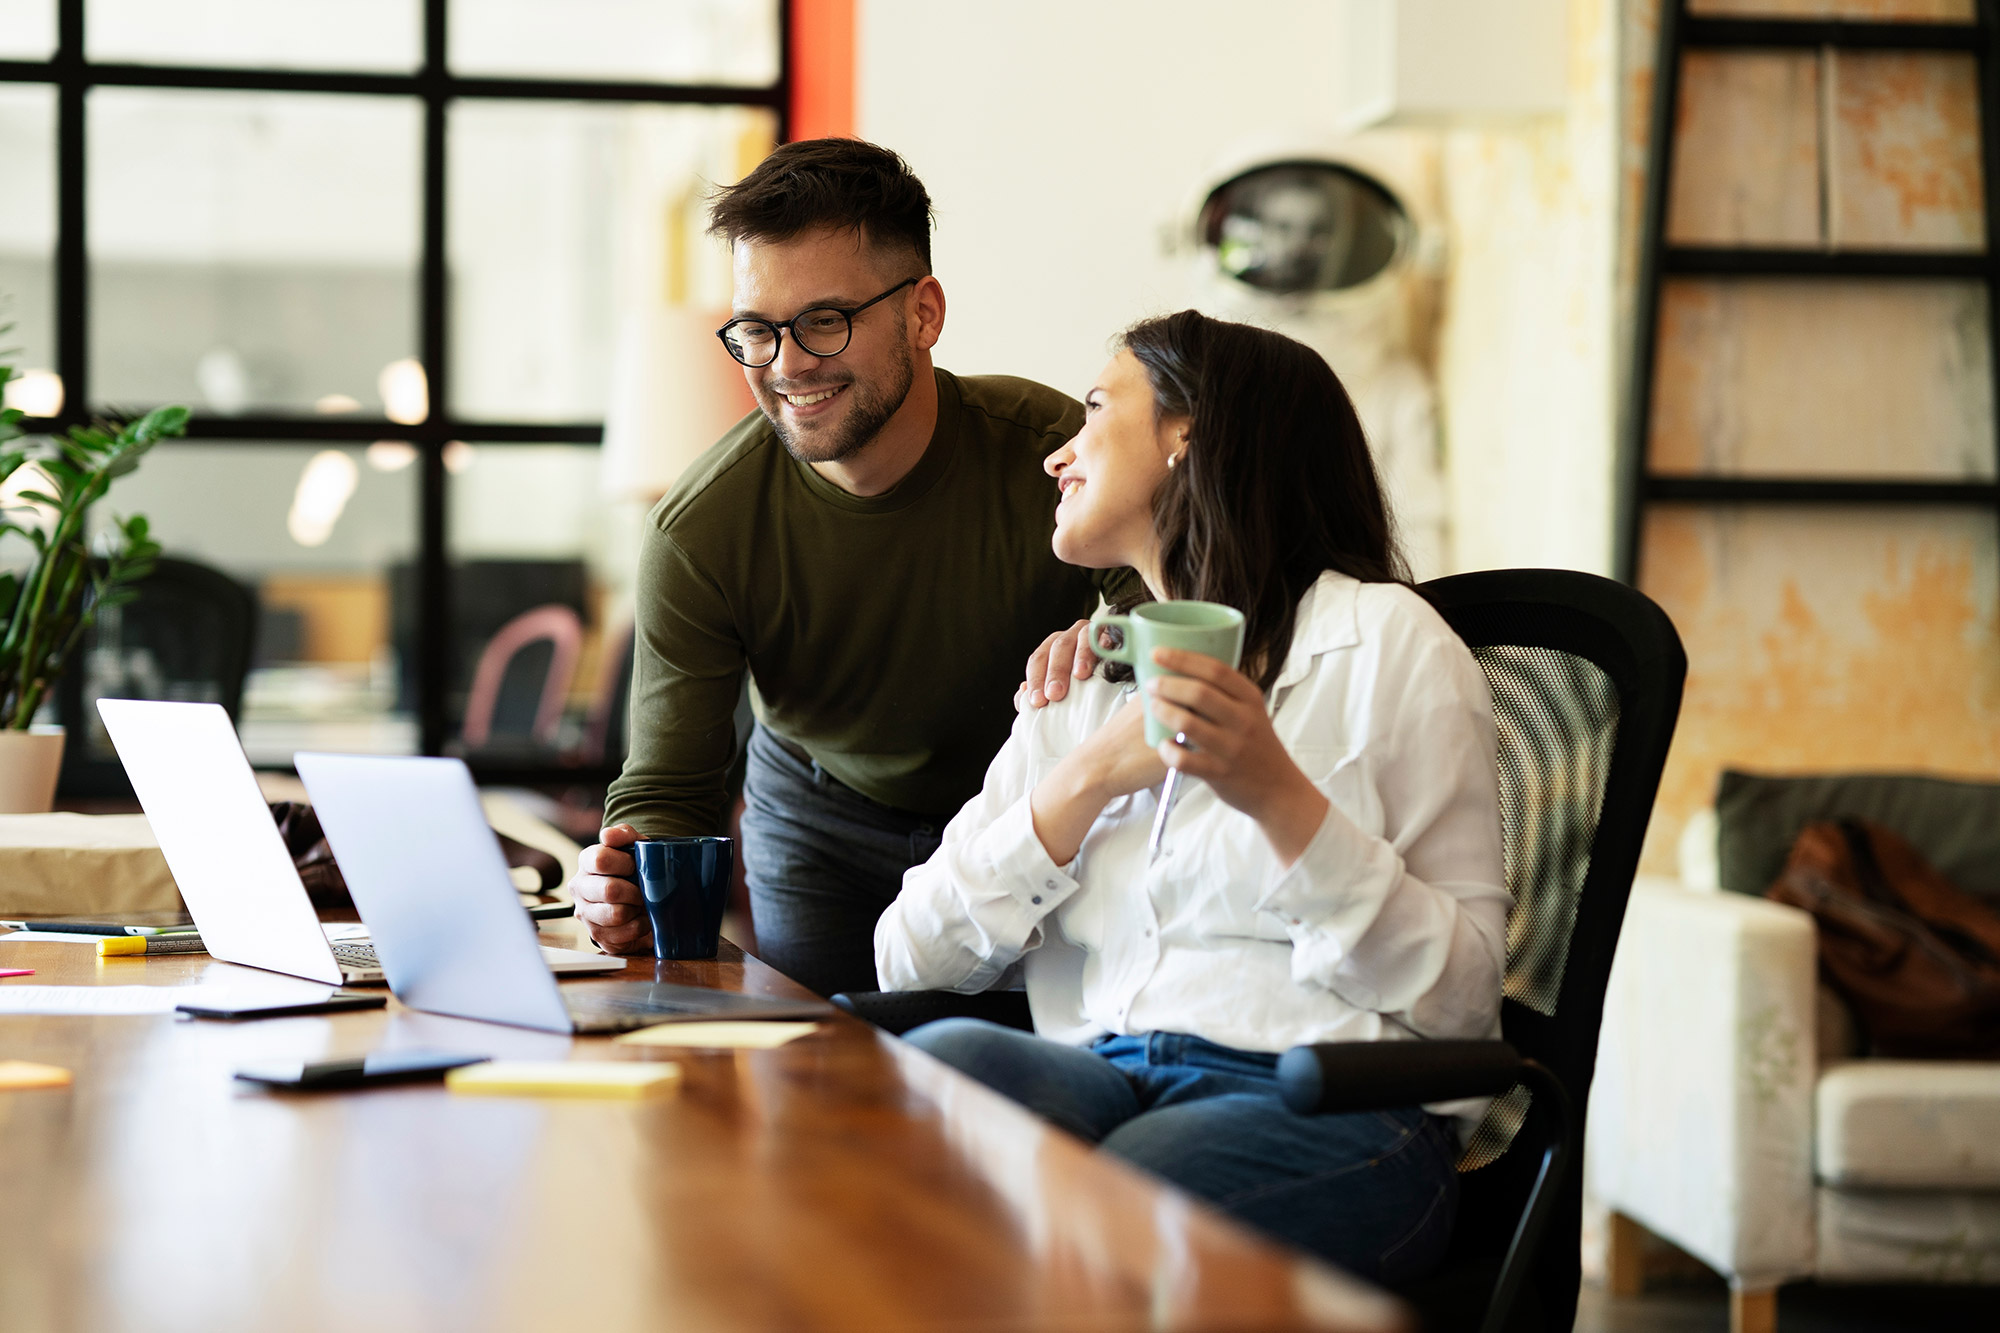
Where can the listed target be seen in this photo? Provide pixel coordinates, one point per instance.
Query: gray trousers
(822, 862)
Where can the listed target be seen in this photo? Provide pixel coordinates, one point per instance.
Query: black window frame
(433, 84)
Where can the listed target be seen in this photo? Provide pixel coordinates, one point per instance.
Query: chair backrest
(187, 636)
(523, 676)
(1586, 676)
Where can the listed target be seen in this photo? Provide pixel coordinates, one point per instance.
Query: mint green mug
(1200, 627)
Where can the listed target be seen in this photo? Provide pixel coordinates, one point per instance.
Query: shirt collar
(1328, 619)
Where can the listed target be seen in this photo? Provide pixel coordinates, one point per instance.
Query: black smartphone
(551, 911)
(338, 1002)
(356, 1071)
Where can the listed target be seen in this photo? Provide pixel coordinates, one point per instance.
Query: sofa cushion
(1956, 825)
(1909, 1124)
(1909, 1235)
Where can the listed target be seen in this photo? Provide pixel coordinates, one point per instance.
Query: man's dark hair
(842, 184)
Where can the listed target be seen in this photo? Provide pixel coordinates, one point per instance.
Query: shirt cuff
(1021, 865)
(1336, 886)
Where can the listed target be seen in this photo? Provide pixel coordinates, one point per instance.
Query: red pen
(17, 971)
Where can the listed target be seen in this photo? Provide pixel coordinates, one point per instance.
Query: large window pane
(531, 536)
(564, 221)
(27, 243)
(295, 34)
(324, 535)
(673, 41)
(27, 29)
(254, 251)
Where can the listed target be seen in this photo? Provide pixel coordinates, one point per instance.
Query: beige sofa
(1732, 1116)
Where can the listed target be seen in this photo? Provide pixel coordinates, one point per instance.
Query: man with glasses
(872, 546)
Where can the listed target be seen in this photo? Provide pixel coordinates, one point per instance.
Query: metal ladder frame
(1679, 32)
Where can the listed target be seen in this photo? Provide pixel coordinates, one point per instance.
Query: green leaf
(164, 421)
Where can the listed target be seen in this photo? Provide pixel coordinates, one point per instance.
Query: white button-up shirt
(1392, 924)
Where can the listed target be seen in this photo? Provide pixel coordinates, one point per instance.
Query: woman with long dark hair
(1334, 875)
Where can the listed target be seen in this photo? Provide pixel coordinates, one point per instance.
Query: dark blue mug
(685, 882)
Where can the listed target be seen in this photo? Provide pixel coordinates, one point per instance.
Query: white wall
(1058, 139)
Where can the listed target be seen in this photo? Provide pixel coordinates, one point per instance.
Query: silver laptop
(225, 851)
(429, 879)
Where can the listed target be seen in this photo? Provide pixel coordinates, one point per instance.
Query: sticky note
(745, 1036)
(630, 1079)
(16, 1075)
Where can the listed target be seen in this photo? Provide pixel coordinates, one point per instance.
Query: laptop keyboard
(356, 954)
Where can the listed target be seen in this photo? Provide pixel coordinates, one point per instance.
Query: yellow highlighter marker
(117, 945)
(627, 1079)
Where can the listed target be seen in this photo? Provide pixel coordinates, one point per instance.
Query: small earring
(1171, 461)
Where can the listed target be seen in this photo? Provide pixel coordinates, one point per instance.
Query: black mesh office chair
(187, 636)
(1586, 677)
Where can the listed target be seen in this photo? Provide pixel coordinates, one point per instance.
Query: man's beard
(866, 415)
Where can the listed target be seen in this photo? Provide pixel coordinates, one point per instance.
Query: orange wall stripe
(822, 68)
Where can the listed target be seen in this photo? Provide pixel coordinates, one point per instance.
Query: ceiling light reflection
(324, 488)
(391, 455)
(406, 392)
(39, 393)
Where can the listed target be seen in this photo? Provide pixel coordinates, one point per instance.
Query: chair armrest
(898, 1011)
(1367, 1075)
(1700, 1123)
(1372, 1075)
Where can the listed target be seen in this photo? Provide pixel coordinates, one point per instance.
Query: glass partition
(317, 533)
(252, 252)
(289, 34)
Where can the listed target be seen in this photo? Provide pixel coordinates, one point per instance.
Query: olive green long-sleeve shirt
(883, 635)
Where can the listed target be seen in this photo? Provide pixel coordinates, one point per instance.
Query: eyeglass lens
(821, 332)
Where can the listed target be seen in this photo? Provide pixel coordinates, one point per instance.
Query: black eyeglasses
(824, 330)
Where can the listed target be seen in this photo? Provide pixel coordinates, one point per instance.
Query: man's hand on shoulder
(606, 891)
(1063, 656)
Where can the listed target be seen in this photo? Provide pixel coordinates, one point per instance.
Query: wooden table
(844, 1181)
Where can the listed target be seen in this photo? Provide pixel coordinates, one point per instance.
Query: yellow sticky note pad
(566, 1078)
(17, 1075)
(746, 1036)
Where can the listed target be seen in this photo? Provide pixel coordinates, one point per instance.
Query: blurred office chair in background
(187, 637)
(1586, 676)
(522, 681)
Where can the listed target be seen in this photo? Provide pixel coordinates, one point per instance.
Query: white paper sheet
(17, 999)
(753, 1036)
(55, 937)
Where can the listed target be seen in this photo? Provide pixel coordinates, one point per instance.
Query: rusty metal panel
(1732, 187)
(1825, 640)
(1904, 156)
(1801, 378)
(1944, 11)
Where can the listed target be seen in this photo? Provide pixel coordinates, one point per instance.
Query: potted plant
(48, 603)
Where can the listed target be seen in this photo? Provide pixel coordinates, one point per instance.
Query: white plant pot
(30, 762)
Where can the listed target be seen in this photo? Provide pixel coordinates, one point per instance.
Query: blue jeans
(1373, 1191)
(822, 862)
